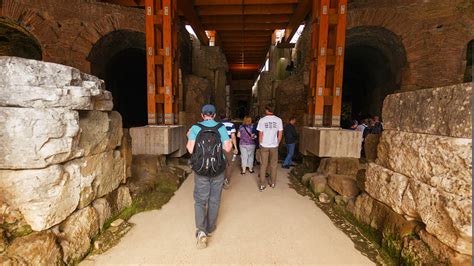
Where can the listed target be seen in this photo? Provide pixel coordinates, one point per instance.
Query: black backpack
(208, 154)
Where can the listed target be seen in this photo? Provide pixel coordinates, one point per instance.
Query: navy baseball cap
(208, 109)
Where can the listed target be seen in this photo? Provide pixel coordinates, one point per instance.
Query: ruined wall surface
(423, 167)
(434, 34)
(67, 32)
(63, 165)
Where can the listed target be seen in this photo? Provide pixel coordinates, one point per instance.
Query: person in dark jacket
(290, 135)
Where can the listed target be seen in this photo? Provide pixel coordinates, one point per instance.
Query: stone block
(75, 234)
(182, 139)
(100, 131)
(331, 142)
(344, 185)
(126, 152)
(370, 147)
(144, 173)
(305, 179)
(156, 140)
(35, 249)
(441, 162)
(37, 138)
(442, 252)
(318, 183)
(119, 199)
(448, 216)
(98, 174)
(104, 212)
(45, 197)
(444, 111)
(340, 166)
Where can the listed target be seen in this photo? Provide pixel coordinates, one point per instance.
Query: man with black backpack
(207, 142)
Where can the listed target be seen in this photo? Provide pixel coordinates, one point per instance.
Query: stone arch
(468, 71)
(17, 41)
(375, 59)
(120, 59)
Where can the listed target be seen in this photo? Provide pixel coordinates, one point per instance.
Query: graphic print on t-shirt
(270, 125)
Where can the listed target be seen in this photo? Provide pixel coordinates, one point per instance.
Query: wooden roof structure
(243, 28)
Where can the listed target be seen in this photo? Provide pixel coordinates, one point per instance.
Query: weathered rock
(37, 138)
(441, 162)
(12, 222)
(104, 212)
(340, 166)
(76, 232)
(448, 216)
(381, 217)
(117, 222)
(390, 188)
(417, 252)
(339, 200)
(35, 249)
(144, 173)
(324, 198)
(126, 152)
(101, 131)
(444, 111)
(119, 199)
(306, 178)
(45, 197)
(442, 252)
(318, 183)
(370, 147)
(344, 185)
(3, 241)
(98, 174)
(360, 179)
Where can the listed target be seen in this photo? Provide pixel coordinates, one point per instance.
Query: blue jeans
(289, 156)
(207, 199)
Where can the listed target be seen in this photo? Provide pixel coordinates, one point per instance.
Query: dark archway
(120, 59)
(468, 72)
(16, 41)
(373, 66)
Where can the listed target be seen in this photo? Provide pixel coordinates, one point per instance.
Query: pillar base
(159, 140)
(330, 142)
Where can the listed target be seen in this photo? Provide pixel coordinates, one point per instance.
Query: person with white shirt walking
(270, 132)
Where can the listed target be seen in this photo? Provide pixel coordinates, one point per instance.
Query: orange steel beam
(168, 62)
(339, 65)
(302, 10)
(322, 57)
(151, 9)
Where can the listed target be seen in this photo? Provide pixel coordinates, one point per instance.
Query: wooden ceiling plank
(246, 10)
(301, 11)
(246, 2)
(240, 27)
(187, 9)
(283, 18)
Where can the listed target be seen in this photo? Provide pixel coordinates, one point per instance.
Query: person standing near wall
(247, 145)
(230, 155)
(270, 131)
(208, 181)
(291, 136)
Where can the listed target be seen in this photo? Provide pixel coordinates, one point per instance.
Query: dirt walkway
(277, 226)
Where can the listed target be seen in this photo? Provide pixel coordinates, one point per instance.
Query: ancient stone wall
(67, 31)
(423, 166)
(63, 165)
(434, 35)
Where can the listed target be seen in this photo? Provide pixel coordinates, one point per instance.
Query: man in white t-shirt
(270, 133)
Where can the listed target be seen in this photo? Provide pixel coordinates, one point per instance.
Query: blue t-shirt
(208, 123)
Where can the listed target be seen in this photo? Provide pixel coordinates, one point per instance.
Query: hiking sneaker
(261, 188)
(272, 185)
(201, 240)
(226, 183)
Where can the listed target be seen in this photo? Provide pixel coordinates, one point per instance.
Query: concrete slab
(330, 142)
(158, 140)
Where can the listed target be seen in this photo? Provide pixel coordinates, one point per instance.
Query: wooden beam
(187, 9)
(246, 19)
(168, 62)
(244, 44)
(322, 59)
(245, 10)
(339, 64)
(246, 2)
(302, 10)
(240, 27)
(151, 48)
(253, 34)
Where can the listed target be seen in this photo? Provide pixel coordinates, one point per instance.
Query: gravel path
(277, 226)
